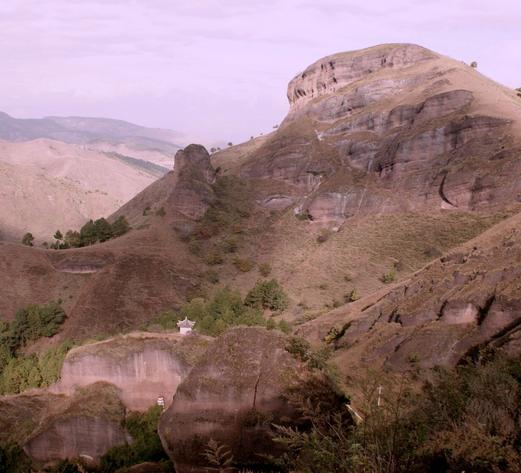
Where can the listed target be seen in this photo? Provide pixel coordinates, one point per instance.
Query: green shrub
(267, 295)
(323, 236)
(146, 445)
(244, 265)
(351, 296)
(194, 246)
(389, 277)
(230, 245)
(212, 276)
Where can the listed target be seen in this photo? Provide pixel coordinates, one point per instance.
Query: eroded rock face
(86, 425)
(143, 366)
(232, 396)
(334, 72)
(393, 128)
(459, 304)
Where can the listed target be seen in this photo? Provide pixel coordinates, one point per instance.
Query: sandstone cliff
(143, 366)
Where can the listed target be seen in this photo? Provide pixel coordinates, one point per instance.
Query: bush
(265, 269)
(28, 239)
(244, 265)
(213, 258)
(389, 277)
(35, 321)
(351, 296)
(323, 236)
(160, 212)
(267, 295)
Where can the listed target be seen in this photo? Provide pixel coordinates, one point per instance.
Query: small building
(185, 326)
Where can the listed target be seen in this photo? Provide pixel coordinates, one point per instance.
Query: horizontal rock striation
(143, 366)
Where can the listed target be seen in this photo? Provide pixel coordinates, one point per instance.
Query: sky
(219, 69)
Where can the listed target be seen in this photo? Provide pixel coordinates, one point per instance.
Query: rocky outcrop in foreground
(143, 366)
(232, 396)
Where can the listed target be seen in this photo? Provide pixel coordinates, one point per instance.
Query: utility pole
(379, 402)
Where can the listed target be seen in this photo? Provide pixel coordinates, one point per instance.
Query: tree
(58, 235)
(28, 239)
(73, 239)
(474, 64)
(267, 295)
(120, 226)
(88, 234)
(102, 229)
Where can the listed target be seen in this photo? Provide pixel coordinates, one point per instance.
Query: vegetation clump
(267, 295)
(92, 232)
(466, 419)
(146, 445)
(389, 277)
(19, 371)
(28, 239)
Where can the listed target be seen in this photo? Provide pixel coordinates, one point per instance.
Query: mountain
(387, 205)
(388, 157)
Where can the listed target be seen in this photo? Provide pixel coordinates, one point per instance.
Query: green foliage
(120, 226)
(225, 310)
(389, 277)
(92, 232)
(351, 296)
(218, 456)
(467, 419)
(230, 206)
(323, 236)
(267, 295)
(28, 239)
(33, 371)
(19, 372)
(33, 322)
(146, 445)
(160, 212)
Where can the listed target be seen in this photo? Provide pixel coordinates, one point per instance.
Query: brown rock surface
(231, 396)
(143, 366)
(56, 427)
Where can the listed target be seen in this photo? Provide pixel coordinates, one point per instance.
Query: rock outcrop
(232, 396)
(143, 366)
(460, 303)
(391, 128)
(54, 427)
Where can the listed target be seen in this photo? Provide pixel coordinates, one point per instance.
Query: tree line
(94, 231)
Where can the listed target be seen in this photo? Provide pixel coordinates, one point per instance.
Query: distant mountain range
(78, 168)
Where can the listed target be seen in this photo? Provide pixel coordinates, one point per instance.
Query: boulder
(144, 366)
(232, 397)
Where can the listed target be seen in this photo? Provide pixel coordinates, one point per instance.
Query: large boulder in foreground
(144, 366)
(84, 426)
(232, 396)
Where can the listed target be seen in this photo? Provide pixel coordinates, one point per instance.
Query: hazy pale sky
(219, 69)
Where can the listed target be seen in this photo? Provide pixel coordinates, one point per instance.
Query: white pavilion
(185, 326)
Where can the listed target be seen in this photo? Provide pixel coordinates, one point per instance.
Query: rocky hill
(387, 205)
(389, 157)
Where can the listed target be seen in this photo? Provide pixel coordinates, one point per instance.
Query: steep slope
(388, 158)
(48, 184)
(124, 282)
(460, 303)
